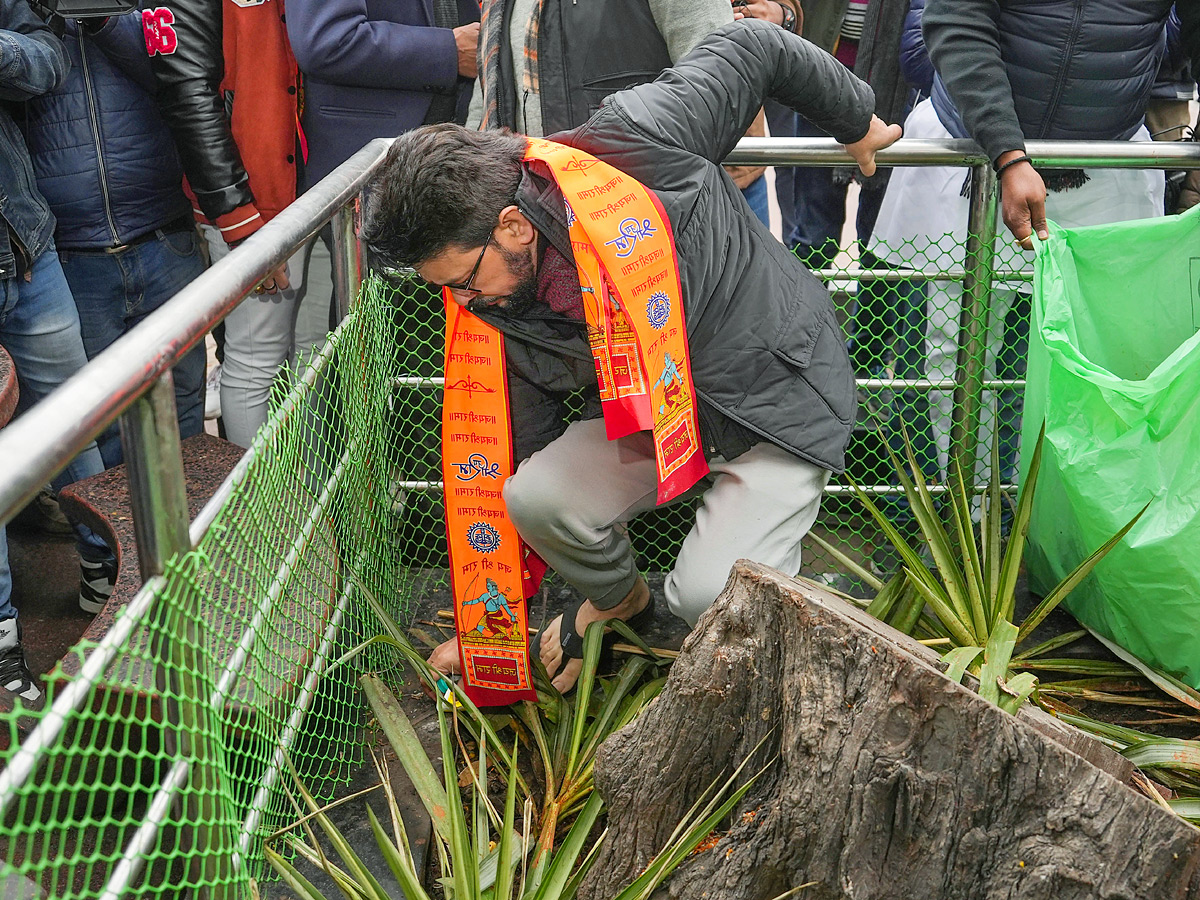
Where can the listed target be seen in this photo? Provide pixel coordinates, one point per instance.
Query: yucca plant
(971, 587)
(481, 853)
(966, 602)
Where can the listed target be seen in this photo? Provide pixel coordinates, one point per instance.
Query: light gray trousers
(571, 501)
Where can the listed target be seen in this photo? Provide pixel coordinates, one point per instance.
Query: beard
(521, 297)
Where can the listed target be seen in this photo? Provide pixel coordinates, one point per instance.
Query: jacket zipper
(1056, 93)
(91, 100)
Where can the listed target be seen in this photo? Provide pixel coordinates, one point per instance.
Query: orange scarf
(632, 300)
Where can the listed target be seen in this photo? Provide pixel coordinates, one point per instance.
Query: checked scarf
(493, 36)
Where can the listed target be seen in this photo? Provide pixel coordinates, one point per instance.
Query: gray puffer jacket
(767, 354)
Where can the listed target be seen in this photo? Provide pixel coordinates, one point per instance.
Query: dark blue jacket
(371, 69)
(915, 64)
(103, 157)
(1011, 70)
(1175, 81)
(32, 62)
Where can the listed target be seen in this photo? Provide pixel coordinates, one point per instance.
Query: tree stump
(886, 780)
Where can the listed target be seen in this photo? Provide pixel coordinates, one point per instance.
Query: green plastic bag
(1114, 371)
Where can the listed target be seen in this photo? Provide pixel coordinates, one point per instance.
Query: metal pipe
(287, 737)
(141, 845)
(154, 467)
(291, 403)
(419, 381)
(791, 151)
(38, 444)
(886, 489)
(936, 384)
(241, 653)
(347, 257)
(158, 495)
(979, 264)
(912, 274)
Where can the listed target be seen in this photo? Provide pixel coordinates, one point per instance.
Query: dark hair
(440, 185)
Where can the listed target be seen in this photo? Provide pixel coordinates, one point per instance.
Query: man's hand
(275, 282)
(466, 39)
(1023, 199)
(878, 136)
(444, 657)
(767, 10)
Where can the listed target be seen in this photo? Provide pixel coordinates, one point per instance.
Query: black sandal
(571, 641)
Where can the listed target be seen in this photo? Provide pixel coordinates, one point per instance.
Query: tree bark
(885, 779)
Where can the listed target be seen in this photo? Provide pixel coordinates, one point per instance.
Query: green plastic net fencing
(264, 606)
(342, 488)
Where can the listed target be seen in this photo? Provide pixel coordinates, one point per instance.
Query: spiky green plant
(967, 601)
(971, 586)
(481, 854)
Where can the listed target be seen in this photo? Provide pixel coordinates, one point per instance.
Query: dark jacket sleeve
(121, 40)
(190, 99)
(338, 42)
(1189, 31)
(706, 102)
(964, 43)
(915, 64)
(33, 61)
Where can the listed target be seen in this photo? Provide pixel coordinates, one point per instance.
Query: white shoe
(212, 393)
(15, 676)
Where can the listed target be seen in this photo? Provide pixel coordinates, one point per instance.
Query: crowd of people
(136, 149)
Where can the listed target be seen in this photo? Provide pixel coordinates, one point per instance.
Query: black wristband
(1012, 162)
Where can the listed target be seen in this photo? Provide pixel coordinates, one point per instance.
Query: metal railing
(132, 380)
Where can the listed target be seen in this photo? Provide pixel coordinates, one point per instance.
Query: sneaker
(43, 515)
(15, 676)
(212, 393)
(96, 584)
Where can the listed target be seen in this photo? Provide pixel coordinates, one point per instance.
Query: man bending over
(737, 388)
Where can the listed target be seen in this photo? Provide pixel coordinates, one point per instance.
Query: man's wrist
(1010, 159)
(788, 22)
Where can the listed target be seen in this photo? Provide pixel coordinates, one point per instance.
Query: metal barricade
(132, 380)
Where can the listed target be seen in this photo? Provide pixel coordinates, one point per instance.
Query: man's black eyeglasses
(466, 285)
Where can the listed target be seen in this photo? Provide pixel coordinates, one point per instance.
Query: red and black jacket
(227, 87)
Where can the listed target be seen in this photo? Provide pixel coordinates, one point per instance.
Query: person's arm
(964, 43)
(33, 61)
(338, 41)
(707, 102)
(683, 23)
(187, 56)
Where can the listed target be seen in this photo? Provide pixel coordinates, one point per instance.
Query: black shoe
(96, 582)
(15, 676)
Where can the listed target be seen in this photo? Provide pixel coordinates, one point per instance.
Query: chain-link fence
(161, 769)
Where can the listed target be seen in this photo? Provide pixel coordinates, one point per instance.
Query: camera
(81, 9)
(56, 12)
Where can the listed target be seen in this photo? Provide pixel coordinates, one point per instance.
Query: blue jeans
(819, 208)
(39, 327)
(756, 196)
(115, 291)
